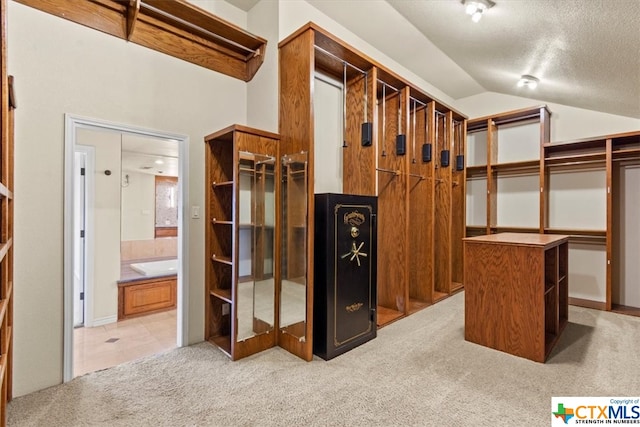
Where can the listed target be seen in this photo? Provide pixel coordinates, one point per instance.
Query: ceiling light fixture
(476, 8)
(159, 162)
(528, 81)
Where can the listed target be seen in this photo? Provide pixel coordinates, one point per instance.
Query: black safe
(345, 268)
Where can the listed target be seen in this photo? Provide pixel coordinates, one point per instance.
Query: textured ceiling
(586, 53)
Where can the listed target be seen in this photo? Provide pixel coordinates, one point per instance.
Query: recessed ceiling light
(159, 162)
(528, 81)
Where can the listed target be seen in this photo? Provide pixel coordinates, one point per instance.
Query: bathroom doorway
(118, 313)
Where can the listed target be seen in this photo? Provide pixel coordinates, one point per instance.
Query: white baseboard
(102, 321)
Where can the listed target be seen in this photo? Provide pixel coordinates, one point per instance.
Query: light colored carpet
(418, 371)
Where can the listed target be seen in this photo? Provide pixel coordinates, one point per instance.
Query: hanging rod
(340, 59)
(388, 85)
(199, 29)
(396, 172)
(417, 100)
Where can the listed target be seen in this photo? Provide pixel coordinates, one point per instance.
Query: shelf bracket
(132, 17)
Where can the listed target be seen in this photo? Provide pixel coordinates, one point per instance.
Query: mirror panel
(293, 290)
(256, 223)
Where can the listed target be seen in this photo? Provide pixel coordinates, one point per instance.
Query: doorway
(94, 229)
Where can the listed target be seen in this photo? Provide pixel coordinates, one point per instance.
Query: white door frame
(89, 192)
(72, 123)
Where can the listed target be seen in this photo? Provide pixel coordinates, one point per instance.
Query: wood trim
(177, 28)
(601, 138)
(296, 128)
(492, 184)
(7, 105)
(579, 302)
(609, 219)
(511, 116)
(227, 133)
(133, 9)
(341, 49)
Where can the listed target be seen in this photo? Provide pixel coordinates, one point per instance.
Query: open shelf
(517, 167)
(574, 159)
(239, 251)
(176, 28)
(223, 294)
(508, 229)
(437, 296)
(387, 315)
(417, 305)
(223, 343)
(476, 171)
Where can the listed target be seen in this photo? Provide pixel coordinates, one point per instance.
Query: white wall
(262, 90)
(295, 14)
(567, 123)
(138, 206)
(328, 122)
(67, 68)
(104, 235)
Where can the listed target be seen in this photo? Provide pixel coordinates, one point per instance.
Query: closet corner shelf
(521, 166)
(176, 28)
(223, 343)
(223, 294)
(476, 171)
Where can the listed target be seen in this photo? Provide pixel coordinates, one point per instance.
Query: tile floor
(116, 343)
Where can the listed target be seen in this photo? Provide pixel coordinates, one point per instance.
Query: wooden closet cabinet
(503, 169)
(242, 174)
(394, 137)
(516, 292)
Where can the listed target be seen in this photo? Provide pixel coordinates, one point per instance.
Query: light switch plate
(195, 212)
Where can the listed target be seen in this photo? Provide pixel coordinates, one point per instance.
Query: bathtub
(156, 268)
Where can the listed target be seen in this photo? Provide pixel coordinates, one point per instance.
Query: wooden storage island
(516, 292)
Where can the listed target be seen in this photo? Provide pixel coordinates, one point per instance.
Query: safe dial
(355, 252)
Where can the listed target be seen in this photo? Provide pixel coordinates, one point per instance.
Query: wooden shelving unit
(420, 204)
(606, 166)
(7, 107)
(585, 192)
(232, 321)
(516, 292)
(177, 28)
(504, 151)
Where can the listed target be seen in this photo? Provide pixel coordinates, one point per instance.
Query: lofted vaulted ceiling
(586, 53)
